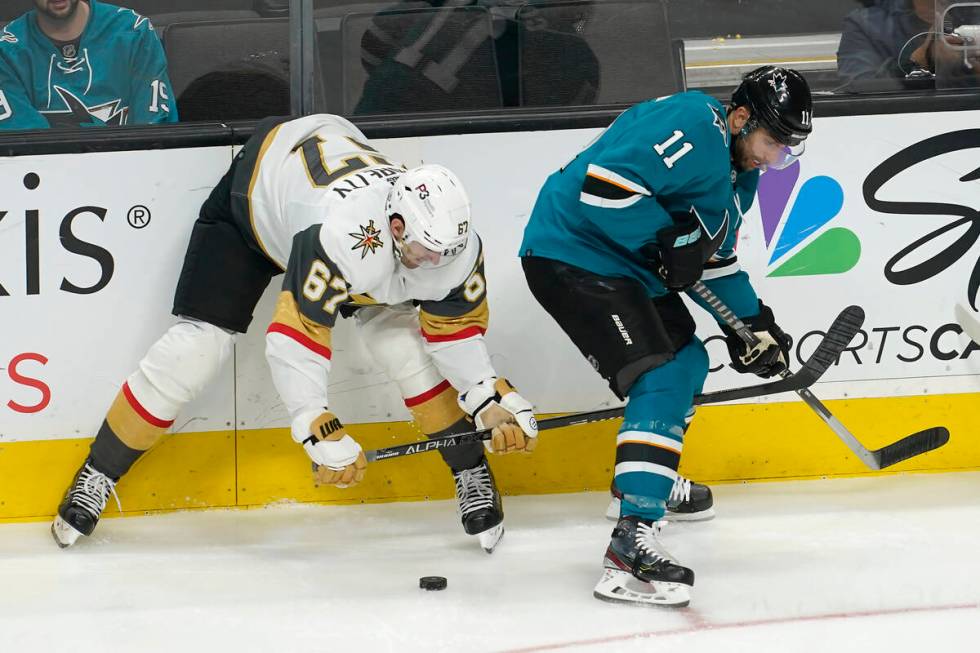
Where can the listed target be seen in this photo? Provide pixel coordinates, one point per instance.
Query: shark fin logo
(810, 248)
(78, 113)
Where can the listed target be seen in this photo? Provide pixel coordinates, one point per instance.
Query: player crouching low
(647, 210)
(356, 236)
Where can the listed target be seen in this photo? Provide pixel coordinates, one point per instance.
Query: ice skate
(480, 508)
(638, 570)
(688, 501)
(83, 504)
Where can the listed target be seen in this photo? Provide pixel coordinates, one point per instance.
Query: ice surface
(872, 564)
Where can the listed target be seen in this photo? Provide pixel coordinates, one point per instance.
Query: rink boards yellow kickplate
(725, 444)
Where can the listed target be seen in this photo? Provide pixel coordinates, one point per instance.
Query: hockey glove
(339, 459)
(678, 256)
(494, 404)
(770, 356)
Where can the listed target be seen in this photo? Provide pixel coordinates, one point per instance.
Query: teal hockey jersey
(659, 157)
(117, 74)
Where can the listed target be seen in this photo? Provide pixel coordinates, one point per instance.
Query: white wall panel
(92, 341)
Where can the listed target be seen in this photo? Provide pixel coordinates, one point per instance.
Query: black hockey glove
(767, 359)
(678, 258)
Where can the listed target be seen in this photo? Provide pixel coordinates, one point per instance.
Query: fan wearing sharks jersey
(354, 235)
(652, 206)
(82, 63)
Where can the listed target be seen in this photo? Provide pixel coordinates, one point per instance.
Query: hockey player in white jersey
(354, 235)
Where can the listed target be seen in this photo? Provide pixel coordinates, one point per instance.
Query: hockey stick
(908, 447)
(838, 336)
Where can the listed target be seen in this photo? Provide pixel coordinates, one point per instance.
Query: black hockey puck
(433, 582)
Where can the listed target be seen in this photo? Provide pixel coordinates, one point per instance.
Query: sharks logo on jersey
(79, 114)
(720, 122)
(717, 239)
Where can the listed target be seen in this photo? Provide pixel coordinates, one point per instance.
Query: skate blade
(491, 537)
(617, 586)
(703, 515)
(612, 513)
(64, 534)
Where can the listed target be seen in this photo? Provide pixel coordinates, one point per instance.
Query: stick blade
(911, 446)
(838, 337)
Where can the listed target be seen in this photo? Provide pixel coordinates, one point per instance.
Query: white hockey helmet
(435, 208)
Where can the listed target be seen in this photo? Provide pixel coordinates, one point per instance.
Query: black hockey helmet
(779, 99)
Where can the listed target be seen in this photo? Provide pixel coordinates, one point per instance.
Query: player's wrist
(302, 420)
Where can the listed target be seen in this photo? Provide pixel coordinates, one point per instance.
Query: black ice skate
(637, 569)
(479, 502)
(83, 504)
(688, 501)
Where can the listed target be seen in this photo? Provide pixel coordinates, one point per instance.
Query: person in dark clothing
(896, 40)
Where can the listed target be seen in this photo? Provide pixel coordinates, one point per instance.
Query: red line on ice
(699, 624)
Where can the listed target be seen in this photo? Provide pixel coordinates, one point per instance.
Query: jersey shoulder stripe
(604, 188)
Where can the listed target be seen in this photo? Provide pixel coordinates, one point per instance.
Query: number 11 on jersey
(662, 148)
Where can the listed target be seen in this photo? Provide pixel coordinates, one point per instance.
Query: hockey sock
(437, 413)
(649, 443)
(110, 455)
(127, 431)
(466, 456)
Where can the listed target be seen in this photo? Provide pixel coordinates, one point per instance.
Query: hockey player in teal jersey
(77, 63)
(650, 207)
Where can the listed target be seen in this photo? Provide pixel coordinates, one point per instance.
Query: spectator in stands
(82, 63)
(895, 40)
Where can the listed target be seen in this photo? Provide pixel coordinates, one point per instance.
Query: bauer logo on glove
(338, 457)
(327, 427)
(495, 404)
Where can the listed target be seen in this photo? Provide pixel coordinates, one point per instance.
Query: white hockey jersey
(315, 205)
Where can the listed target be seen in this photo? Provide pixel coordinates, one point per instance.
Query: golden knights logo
(368, 240)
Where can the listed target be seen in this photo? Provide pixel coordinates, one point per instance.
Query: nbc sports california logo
(799, 240)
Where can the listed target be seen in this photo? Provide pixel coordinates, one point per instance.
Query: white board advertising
(882, 211)
(90, 249)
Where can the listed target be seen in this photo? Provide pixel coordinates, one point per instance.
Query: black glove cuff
(679, 259)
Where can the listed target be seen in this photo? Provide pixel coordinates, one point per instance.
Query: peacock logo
(810, 249)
